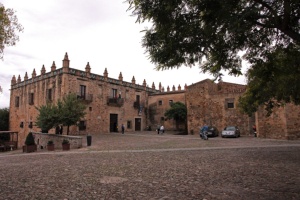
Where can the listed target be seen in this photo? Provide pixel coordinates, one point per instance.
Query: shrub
(29, 139)
(50, 142)
(4, 137)
(65, 141)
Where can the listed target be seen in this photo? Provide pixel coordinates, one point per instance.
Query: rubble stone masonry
(113, 102)
(215, 104)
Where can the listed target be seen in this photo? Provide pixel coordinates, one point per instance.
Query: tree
(4, 116)
(71, 110)
(48, 117)
(273, 83)
(213, 33)
(8, 27)
(68, 112)
(178, 112)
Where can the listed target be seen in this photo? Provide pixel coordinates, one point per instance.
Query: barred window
(230, 105)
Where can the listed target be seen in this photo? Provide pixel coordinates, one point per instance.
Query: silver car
(231, 131)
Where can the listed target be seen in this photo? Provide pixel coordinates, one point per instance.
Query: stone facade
(113, 102)
(110, 102)
(215, 104)
(283, 123)
(41, 140)
(159, 103)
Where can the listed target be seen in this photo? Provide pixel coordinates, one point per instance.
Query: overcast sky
(101, 32)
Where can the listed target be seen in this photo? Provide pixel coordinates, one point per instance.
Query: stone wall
(139, 106)
(215, 104)
(41, 139)
(283, 123)
(99, 98)
(158, 104)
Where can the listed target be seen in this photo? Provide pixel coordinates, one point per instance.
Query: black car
(212, 131)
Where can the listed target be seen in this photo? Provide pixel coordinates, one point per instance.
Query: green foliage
(65, 141)
(71, 110)
(29, 139)
(8, 27)
(4, 119)
(213, 33)
(274, 82)
(68, 111)
(50, 142)
(178, 112)
(48, 116)
(4, 137)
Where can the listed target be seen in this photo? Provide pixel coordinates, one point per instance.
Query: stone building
(215, 104)
(159, 103)
(113, 102)
(110, 102)
(283, 123)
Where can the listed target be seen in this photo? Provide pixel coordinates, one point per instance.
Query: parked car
(212, 131)
(231, 131)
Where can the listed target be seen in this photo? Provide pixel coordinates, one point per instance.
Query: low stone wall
(41, 139)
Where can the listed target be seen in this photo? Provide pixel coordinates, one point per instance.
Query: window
(31, 98)
(129, 124)
(160, 102)
(114, 93)
(82, 125)
(17, 101)
(170, 102)
(230, 105)
(137, 99)
(82, 91)
(30, 125)
(49, 95)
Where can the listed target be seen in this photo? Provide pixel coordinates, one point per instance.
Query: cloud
(100, 32)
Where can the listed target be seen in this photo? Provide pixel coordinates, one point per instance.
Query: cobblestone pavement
(145, 165)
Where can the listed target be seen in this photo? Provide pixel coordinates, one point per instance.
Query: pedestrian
(123, 129)
(254, 130)
(61, 130)
(203, 131)
(158, 128)
(162, 129)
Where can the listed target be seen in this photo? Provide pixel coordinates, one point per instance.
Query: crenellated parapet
(65, 69)
(170, 90)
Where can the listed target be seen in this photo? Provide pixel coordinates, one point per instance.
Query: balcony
(86, 98)
(115, 101)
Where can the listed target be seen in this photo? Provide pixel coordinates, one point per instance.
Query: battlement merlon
(16, 83)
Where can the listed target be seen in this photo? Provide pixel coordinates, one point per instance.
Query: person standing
(254, 130)
(158, 128)
(123, 129)
(162, 129)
